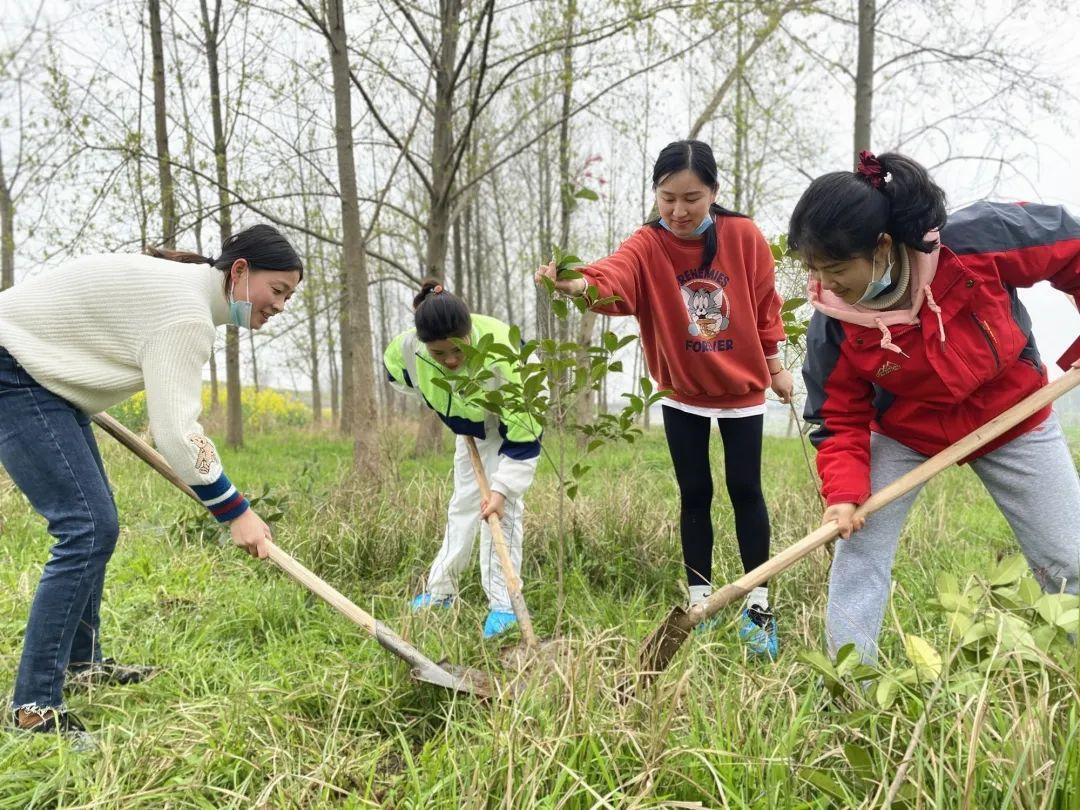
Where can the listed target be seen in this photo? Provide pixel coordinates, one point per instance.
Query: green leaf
(586, 194)
(1069, 620)
(792, 304)
(1008, 571)
(1051, 606)
(978, 632)
(826, 784)
(887, 689)
(1028, 591)
(926, 659)
(860, 760)
(820, 663)
(558, 306)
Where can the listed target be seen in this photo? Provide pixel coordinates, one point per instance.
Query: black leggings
(688, 440)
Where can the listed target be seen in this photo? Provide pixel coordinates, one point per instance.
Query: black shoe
(62, 722)
(107, 672)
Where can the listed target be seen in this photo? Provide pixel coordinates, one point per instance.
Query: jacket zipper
(988, 338)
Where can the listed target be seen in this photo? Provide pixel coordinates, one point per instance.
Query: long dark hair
(439, 314)
(264, 247)
(841, 215)
(697, 156)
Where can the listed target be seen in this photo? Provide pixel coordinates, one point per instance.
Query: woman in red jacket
(699, 280)
(918, 338)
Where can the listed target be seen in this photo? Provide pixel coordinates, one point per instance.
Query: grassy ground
(269, 699)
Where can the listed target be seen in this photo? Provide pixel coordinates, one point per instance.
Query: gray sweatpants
(1034, 483)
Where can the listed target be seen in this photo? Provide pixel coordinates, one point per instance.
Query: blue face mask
(240, 311)
(876, 288)
(698, 231)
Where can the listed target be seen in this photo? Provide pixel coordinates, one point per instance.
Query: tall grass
(269, 699)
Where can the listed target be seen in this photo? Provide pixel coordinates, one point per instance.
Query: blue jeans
(48, 449)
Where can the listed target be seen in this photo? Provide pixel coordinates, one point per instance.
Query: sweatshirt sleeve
(1027, 243)
(770, 326)
(620, 274)
(840, 403)
(172, 360)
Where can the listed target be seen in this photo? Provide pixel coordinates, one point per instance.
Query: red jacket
(949, 370)
(705, 334)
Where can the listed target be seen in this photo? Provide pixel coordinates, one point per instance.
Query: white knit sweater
(100, 328)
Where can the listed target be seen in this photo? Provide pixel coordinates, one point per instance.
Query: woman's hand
(250, 533)
(783, 385)
(844, 515)
(569, 286)
(495, 505)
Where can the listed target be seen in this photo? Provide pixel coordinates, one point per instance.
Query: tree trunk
(429, 436)
(161, 132)
(508, 287)
(7, 232)
(196, 186)
(354, 254)
(234, 419)
(566, 200)
(458, 264)
(332, 368)
(864, 76)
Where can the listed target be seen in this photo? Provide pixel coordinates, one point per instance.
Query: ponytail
(439, 314)
(264, 247)
(843, 214)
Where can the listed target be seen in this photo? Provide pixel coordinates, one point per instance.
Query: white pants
(462, 518)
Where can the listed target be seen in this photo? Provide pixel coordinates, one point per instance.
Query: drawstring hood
(923, 268)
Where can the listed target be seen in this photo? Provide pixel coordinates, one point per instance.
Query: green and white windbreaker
(412, 370)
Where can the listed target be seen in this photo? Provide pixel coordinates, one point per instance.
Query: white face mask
(240, 311)
(876, 288)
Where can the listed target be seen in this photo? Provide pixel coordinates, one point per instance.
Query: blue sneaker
(707, 625)
(498, 621)
(757, 628)
(426, 600)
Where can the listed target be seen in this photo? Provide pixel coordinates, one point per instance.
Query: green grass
(267, 698)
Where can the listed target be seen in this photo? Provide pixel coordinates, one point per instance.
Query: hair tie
(438, 288)
(209, 260)
(870, 168)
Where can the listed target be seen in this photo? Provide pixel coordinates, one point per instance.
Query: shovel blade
(658, 650)
(455, 678)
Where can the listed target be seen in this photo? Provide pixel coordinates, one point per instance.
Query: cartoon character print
(206, 457)
(707, 307)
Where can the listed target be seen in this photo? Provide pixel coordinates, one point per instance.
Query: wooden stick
(423, 666)
(498, 539)
(886, 495)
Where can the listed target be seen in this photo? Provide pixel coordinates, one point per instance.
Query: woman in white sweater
(75, 341)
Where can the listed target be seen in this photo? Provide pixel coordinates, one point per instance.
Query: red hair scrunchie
(870, 168)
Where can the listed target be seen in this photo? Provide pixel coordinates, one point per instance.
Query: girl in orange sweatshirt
(699, 279)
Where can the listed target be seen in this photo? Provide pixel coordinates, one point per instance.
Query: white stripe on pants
(462, 518)
(1033, 481)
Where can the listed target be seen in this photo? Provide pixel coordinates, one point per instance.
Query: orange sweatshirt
(705, 334)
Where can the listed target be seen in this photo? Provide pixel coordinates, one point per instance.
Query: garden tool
(660, 647)
(533, 645)
(448, 676)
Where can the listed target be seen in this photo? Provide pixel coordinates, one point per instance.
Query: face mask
(876, 288)
(698, 231)
(240, 311)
